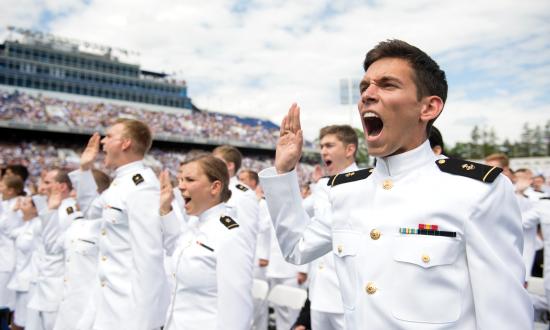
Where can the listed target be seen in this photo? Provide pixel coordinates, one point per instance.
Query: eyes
(384, 84)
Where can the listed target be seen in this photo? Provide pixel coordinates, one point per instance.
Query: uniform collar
(211, 213)
(233, 181)
(405, 162)
(352, 167)
(128, 168)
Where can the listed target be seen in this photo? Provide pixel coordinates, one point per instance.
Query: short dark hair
(427, 76)
(344, 133)
(16, 183)
(436, 139)
(19, 170)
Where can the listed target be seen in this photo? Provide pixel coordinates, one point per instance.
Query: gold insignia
(137, 179)
(70, 210)
(371, 170)
(441, 161)
(228, 222)
(468, 167)
(350, 174)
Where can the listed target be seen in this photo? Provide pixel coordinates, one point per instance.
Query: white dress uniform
(212, 270)
(543, 211)
(9, 220)
(130, 290)
(280, 271)
(263, 248)
(529, 232)
(79, 245)
(46, 295)
(327, 309)
(26, 241)
(415, 246)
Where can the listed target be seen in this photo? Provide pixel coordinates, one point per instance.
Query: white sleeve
(263, 246)
(147, 276)
(171, 231)
(300, 239)
(233, 273)
(53, 234)
(494, 243)
(87, 196)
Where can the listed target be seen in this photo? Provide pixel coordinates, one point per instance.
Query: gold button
(340, 248)
(425, 258)
(103, 232)
(321, 266)
(387, 185)
(375, 234)
(104, 258)
(441, 161)
(371, 288)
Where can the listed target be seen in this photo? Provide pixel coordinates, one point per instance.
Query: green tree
(362, 156)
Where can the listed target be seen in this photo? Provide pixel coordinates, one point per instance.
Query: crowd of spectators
(40, 156)
(190, 125)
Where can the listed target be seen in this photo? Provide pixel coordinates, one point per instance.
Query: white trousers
(39, 320)
(326, 321)
(20, 310)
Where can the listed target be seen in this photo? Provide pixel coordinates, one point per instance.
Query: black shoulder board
(70, 210)
(241, 187)
(228, 222)
(349, 177)
(137, 178)
(544, 198)
(468, 169)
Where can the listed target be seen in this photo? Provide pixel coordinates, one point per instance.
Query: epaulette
(241, 187)
(70, 210)
(544, 198)
(349, 177)
(228, 222)
(137, 178)
(468, 169)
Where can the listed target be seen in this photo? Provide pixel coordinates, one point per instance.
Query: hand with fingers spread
(90, 153)
(166, 193)
(289, 146)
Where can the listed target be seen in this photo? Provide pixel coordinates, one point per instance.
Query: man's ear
(431, 108)
(126, 144)
(350, 150)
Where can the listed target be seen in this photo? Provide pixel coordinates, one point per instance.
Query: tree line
(534, 141)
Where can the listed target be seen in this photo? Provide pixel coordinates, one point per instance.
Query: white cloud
(271, 53)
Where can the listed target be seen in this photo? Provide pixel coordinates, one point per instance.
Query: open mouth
(373, 123)
(328, 163)
(186, 199)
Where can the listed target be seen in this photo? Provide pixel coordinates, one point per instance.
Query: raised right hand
(289, 145)
(166, 193)
(90, 153)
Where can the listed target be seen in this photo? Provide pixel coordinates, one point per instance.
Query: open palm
(289, 145)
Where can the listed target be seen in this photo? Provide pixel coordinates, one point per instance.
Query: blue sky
(257, 57)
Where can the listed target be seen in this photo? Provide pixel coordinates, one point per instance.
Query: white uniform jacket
(212, 270)
(78, 243)
(50, 266)
(394, 277)
(26, 242)
(324, 288)
(9, 220)
(131, 277)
